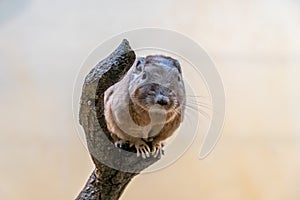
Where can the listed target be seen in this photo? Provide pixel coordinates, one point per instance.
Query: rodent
(146, 105)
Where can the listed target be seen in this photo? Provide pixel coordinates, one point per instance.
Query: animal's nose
(163, 101)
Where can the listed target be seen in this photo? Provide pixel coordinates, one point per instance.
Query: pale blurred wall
(255, 46)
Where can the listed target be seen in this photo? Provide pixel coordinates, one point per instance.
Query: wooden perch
(114, 167)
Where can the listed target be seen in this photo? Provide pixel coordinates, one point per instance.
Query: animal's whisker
(196, 107)
(197, 101)
(205, 114)
(198, 96)
(199, 105)
(186, 115)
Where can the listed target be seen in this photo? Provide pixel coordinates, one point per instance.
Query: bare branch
(108, 180)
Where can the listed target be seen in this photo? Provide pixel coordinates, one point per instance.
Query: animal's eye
(144, 76)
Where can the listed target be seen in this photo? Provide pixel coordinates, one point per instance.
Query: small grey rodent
(147, 105)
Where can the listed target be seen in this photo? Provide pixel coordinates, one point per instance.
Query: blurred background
(256, 49)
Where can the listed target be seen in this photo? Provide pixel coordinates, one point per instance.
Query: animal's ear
(177, 65)
(139, 64)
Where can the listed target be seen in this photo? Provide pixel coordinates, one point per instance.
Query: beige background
(255, 45)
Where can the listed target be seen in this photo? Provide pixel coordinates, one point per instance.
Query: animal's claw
(119, 143)
(158, 149)
(142, 149)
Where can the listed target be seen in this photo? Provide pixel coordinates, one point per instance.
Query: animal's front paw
(120, 143)
(157, 148)
(142, 148)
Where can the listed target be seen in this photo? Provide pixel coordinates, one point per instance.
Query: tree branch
(114, 168)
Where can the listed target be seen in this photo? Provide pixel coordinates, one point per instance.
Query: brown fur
(140, 97)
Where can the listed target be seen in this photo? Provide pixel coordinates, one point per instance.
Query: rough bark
(114, 168)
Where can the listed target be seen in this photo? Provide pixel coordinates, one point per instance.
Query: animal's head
(157, 81)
